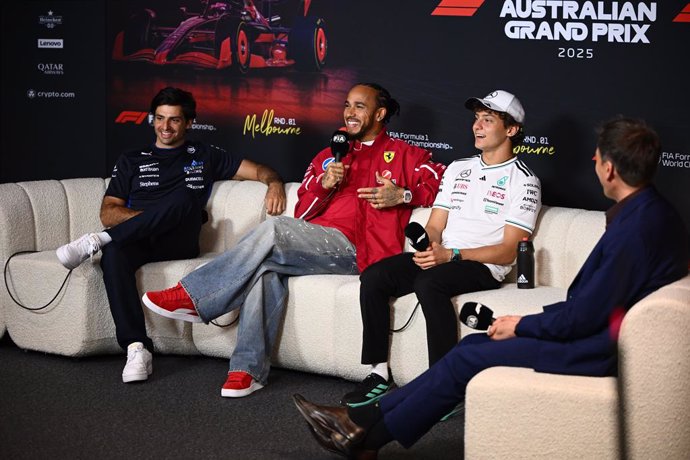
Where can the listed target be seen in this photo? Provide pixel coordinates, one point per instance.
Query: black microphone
(476, 316)
(417, 236)
(339, 145)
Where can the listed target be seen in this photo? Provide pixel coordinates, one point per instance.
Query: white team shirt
(481, 199)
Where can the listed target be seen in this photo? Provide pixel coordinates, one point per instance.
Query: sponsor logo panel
(675, 160)
(420, 140)
(50, 20)
(39, 94)
(137, 117)
(51, 68)
(50, 43)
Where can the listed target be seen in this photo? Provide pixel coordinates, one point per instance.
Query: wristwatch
(456, 255)
(407, 196)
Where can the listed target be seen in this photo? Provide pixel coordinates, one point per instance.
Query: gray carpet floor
(54, 407)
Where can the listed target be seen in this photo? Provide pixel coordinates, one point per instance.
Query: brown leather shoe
(333, 429)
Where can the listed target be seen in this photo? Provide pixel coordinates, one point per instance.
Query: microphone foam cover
(417, 236)
(476, 316)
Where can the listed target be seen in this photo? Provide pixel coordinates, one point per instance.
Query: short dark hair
(508, 121)
(384, 99)
(175, 96)
(632, 146)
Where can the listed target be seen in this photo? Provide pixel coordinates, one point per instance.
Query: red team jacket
(375, 233)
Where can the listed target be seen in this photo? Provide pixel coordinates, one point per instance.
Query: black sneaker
(370, 390)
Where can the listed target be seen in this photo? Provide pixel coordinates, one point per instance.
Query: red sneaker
(172, 303)
(239, 384)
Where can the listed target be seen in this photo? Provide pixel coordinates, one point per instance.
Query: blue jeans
(253, 276)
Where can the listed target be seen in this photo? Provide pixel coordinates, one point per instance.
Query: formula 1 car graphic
(230, 34)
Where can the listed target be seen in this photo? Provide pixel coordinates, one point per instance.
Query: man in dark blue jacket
(644, 247)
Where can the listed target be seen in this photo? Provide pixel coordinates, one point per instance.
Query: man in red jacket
(350, 214)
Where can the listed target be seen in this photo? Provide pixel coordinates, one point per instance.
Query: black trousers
(169, 230)
(397, 276)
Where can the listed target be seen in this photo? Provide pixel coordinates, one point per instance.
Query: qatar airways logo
(612, 22)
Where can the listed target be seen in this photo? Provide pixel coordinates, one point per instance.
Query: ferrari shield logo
(388, 156)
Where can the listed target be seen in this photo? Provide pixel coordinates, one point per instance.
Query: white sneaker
(139, 363)
(71, 255)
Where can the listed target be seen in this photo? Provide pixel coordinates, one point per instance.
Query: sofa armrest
(17, 232)
(517, 413)
(538, 415)
(654, 371)
(42, 215)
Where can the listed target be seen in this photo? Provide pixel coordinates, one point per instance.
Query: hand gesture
(275, 199)
(385, 196)
(335, 172)
(434, 255)
(504, 327)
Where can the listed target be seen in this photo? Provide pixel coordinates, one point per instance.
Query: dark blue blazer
(643, 248)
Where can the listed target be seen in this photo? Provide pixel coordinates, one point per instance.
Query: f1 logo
(130, 116)
(457, 7)
(684, 15)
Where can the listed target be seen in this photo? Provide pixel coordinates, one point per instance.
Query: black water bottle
(525, 264)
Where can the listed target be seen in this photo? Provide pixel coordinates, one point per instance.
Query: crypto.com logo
(130, 116)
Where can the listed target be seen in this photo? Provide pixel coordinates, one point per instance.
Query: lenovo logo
(50, 43)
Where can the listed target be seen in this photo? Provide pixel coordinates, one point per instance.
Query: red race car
(239, 35)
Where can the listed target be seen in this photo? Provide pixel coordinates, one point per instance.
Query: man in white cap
(485, 205)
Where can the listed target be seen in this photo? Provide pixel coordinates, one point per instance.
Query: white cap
(500, 101)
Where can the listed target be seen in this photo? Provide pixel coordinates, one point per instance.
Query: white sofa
(510, 412)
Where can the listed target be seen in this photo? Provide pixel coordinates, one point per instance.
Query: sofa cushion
(234, 208)
(308, 339)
